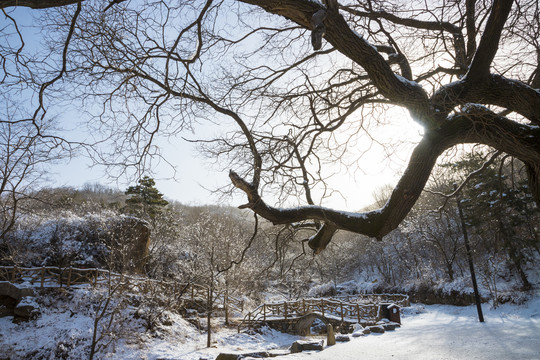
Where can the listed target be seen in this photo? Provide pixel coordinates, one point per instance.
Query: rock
(226, 356)
(276, 353)
(13, 291)
(306, 345)
(330, 338)
(377, 329)
(238, 356)
(343, 338)
(313, 345)
(130, 244)
(27, 308)
(7, 305)
(389, 327)
(358, 330)
(366, 331)
(295, 348)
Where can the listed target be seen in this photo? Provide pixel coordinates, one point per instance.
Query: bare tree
(467, 72)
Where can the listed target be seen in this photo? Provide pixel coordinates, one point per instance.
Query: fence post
(358, 312)
(322, 307)
(226, 306)
(341, 310)
(304, 306)
(14, 272)
(264, 312)
(69, 277)
(285, 309)
(42, 276)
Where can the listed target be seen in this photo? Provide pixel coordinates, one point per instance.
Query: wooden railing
(329, 308)
(51, 276)
(399, 299)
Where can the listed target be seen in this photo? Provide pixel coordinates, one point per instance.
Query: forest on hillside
(233, 250)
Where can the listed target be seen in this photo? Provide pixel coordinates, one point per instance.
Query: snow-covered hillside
(64, 330)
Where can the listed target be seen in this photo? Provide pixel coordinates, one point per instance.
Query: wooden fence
(329, 308)
(399, 299)
(51, 276)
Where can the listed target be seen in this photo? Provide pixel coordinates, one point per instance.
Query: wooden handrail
(356, 311)
(53, 276)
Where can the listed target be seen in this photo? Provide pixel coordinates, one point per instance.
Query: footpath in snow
(449, 332)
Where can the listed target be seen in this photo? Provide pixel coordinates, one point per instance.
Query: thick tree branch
(475, 124)
(489, 43)
(355, 47)
(499, 91)
(470, 22)
(36, 4)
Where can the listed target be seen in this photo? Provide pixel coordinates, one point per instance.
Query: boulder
(130, 244)
(358, 330)
(238, 356)
(14, 291)
(7, 305)
(306, 345)
(27, 308)
(342, 338)
(377, 329)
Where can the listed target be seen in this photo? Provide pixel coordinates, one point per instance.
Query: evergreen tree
(500, 210)
(145, 199)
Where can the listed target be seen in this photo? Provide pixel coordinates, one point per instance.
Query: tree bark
(37, 4)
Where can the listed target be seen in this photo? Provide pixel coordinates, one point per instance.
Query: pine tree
(145, 200)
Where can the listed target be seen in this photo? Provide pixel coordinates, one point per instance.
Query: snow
(449, 332)
(427, 332)
(408, 82)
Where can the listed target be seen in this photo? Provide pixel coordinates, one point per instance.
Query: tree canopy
(467, 71)
(145, 199)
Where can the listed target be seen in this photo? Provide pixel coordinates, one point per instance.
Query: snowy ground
(449, 332)
(428, 332)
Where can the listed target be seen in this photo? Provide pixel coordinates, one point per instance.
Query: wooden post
(226, 306)
(264, 312)
(69, 277)
(322, 307)
(13, 274)
(304, 306)
(358, 312)
(341, 310)
(285, 309)
(42, 276)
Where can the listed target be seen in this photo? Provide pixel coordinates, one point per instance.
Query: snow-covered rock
(27, 308)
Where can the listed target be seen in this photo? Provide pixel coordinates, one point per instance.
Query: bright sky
(195, 177)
